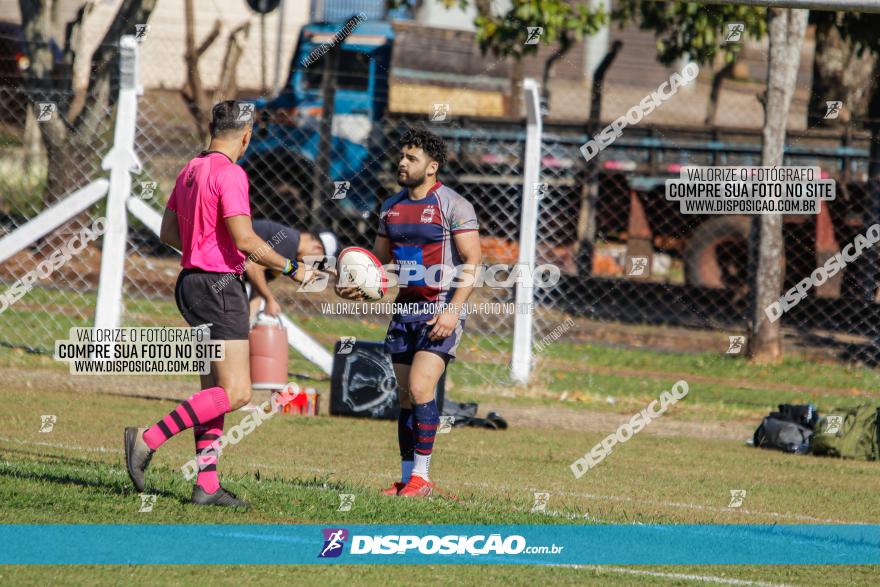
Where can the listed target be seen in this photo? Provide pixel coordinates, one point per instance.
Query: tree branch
(227, 86)
(98, 98)
(209, 40)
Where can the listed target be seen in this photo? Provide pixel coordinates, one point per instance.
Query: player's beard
(410, 181)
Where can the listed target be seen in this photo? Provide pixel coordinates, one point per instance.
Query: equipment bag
(849, 433)
(803, 414)
(783, 434)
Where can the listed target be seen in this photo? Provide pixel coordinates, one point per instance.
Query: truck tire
(717, 253)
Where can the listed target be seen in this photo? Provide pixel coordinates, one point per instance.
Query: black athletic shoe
(219, 497)
(137, 456)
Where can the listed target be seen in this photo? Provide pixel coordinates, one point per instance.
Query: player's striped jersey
(421, 233)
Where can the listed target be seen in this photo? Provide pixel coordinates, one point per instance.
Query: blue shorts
(405, 339)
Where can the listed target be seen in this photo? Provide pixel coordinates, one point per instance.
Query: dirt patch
(561, 418)
(49, 381)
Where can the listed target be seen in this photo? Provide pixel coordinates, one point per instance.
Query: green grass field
(681, 469)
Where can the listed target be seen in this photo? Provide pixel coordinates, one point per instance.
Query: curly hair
(430, 143)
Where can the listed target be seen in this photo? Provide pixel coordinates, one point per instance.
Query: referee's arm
(248, 242)
(170, 231)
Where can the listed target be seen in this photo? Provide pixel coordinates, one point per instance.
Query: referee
(208, 218)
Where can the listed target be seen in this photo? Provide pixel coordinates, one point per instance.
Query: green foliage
(688, 28)
(505, 35)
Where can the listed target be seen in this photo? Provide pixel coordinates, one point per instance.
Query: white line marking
(677, 576)
(64, 446)
(670, 504)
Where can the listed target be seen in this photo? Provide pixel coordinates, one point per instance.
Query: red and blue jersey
(421, 235)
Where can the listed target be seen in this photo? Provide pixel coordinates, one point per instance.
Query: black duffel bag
(789, 430)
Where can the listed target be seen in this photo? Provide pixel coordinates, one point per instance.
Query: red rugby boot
(417, 487)
(394, 489)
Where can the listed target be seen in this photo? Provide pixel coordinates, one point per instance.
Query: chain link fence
(52, 140)
(626, 255)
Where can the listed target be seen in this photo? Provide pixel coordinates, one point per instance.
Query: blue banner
(441, 544)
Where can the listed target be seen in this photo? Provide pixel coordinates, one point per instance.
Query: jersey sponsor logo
(410, 262)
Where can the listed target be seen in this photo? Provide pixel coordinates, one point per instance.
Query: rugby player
(425, 225)
(208, 219)
(291, 243)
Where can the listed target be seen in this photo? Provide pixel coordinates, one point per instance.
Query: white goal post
(521, 360)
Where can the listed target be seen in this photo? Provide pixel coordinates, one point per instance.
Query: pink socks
(199, 410)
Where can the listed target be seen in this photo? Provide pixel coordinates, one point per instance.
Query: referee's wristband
(290, 267)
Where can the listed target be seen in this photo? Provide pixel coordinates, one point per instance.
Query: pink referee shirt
(210, 188)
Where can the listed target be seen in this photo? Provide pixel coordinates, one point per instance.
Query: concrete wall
(162, 64)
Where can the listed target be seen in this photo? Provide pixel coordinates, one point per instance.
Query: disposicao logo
(444, 545)
(334, 540)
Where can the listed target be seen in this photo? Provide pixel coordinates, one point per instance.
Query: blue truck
(284, 149)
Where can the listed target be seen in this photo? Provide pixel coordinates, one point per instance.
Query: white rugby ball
(359, 268)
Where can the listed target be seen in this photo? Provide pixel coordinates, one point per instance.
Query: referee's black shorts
(216, 299)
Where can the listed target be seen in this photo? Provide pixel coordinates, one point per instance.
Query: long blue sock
(425, 419)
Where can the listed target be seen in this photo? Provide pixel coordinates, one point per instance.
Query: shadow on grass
(79, 472)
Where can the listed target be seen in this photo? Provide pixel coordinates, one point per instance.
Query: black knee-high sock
(405, 440)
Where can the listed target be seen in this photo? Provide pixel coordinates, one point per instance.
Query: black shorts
(218, 299)
(407, 358)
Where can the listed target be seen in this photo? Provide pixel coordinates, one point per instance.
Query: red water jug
(268, 341)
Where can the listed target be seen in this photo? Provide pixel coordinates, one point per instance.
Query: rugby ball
(359, 268)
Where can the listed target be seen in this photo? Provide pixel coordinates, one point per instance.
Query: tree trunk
(719, 77)
(786, 29)
(194, 94)
(516, 87)
(321, 180)
(227, 88)
(589, 193)
(549, 67)
(72, 137)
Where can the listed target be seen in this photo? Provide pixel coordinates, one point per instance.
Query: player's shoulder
(232, 170)
(447, 195)
(228, 175)
(390, 201)
(449, 199)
